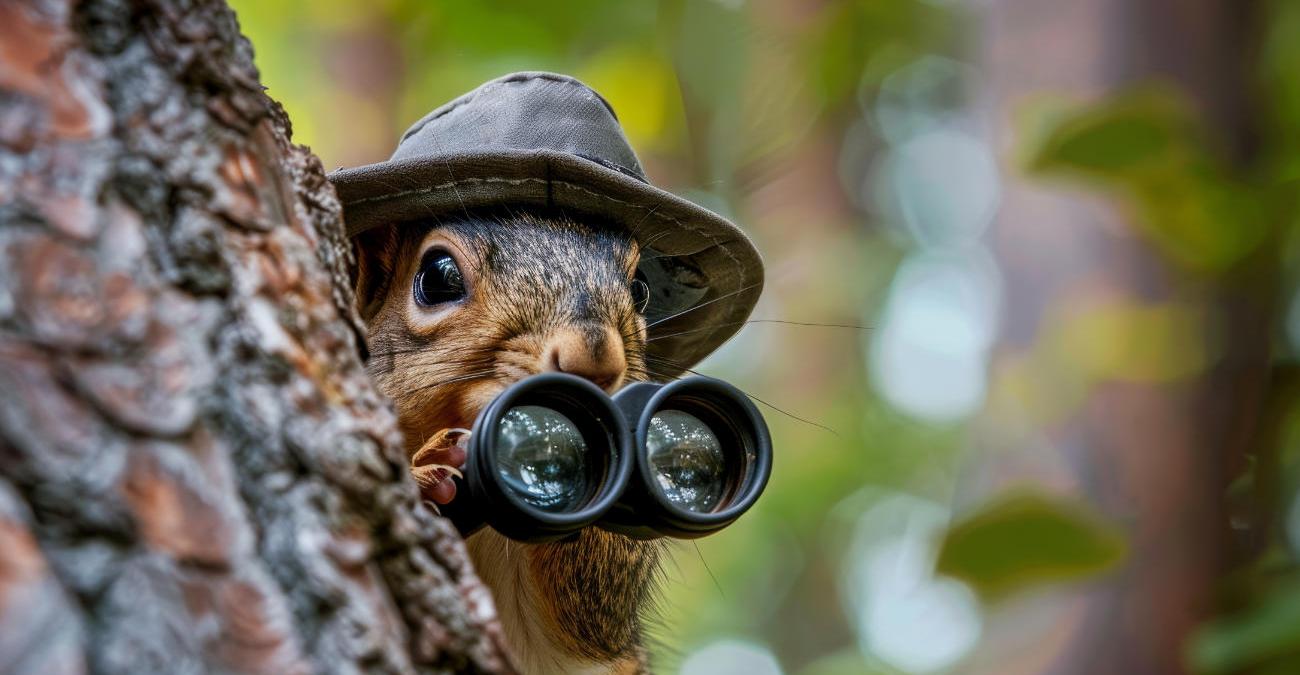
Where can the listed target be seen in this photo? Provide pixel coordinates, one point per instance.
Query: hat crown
(541, 140)
(525, 111)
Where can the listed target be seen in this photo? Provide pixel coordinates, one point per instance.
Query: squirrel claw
(437, 459)
(433, 482)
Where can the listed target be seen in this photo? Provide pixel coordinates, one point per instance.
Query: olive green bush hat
(550, 141)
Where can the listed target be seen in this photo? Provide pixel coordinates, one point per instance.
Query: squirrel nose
(591, 352)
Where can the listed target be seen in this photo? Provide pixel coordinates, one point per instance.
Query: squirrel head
(459, 310)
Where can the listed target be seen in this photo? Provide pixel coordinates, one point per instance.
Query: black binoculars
(553, 454)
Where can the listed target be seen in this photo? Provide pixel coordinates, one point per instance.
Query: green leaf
(1137, 132)
(1147, 148)
(1267, 634)
(1027, 538)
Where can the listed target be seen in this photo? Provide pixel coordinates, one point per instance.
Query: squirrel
(513, 231)
(456, 311)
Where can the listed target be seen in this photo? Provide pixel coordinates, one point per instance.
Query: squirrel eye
(439, 280)
(640, 292)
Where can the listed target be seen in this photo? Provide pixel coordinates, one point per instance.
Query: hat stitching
(658, 215)
(549, 182)
(550, 186)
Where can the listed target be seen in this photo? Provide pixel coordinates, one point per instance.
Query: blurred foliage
(1230, 220)
(1110, 340)
(1265, 640)
(1026, 538)
(1147, 147)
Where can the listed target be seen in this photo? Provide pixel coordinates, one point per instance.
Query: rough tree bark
(196, 474)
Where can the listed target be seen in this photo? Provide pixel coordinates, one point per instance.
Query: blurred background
(1028, 342)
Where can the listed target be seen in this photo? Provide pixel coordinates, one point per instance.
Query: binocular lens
(543, 458)
(687, 460)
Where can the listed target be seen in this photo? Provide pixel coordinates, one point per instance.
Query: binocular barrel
(553, 454)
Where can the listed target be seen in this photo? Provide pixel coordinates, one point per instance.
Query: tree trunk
(1156, 456)
(196, 473)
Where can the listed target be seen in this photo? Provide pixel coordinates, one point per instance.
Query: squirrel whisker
(742, 323)
(650, 242)
(462, 378)
(373, 363)
(399, 352)
(637, 228)
(702, 305)
(672, 364)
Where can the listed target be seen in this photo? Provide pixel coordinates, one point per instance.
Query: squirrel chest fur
(460, 309)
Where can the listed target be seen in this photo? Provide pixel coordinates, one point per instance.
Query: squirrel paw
(439, 458)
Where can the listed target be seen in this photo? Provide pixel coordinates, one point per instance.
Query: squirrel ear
(376, 261)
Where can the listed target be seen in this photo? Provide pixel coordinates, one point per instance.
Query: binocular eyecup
(553, 454)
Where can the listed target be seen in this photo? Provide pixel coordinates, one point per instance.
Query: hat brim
(698, 303)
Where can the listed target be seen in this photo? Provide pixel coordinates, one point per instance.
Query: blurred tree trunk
(196, 474)
(1156, 456)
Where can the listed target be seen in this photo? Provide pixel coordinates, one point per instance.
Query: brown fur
(544, 293)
